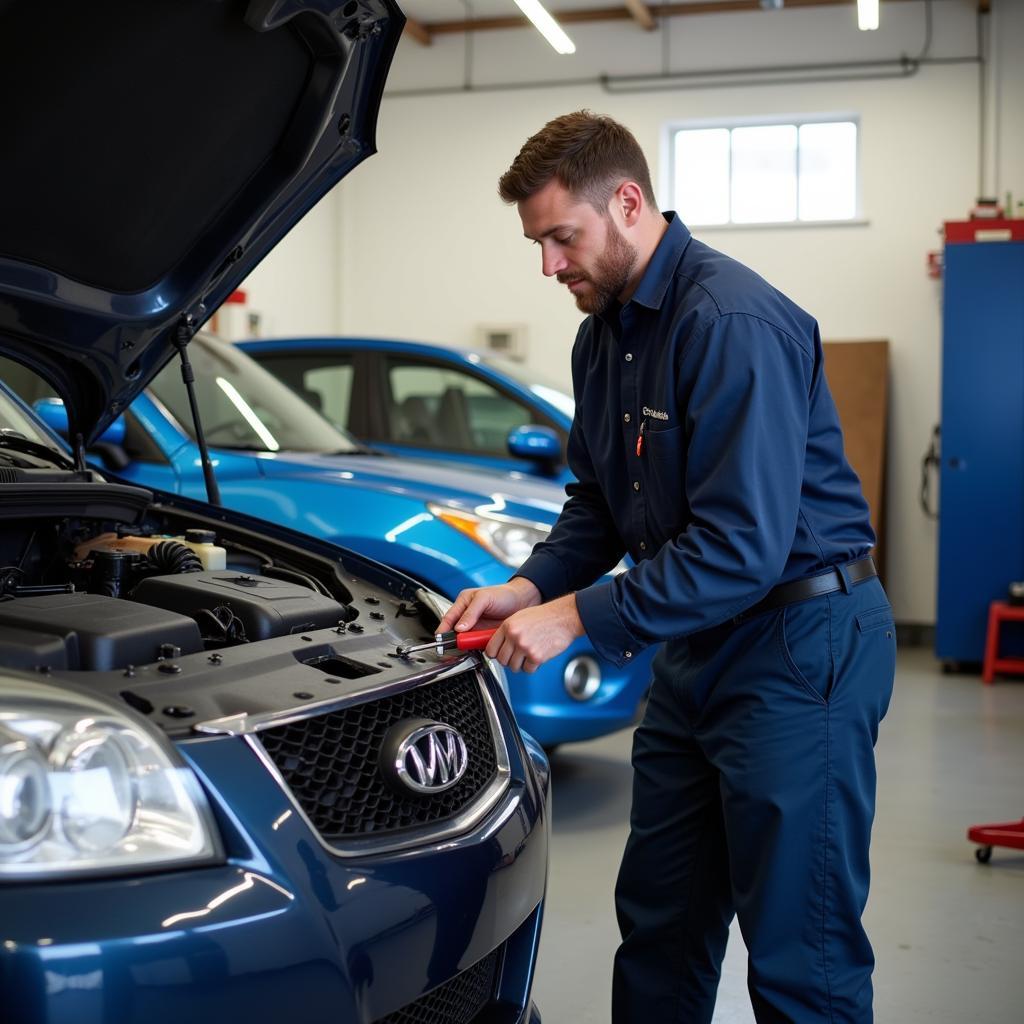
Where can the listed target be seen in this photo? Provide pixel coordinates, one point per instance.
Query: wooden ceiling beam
(420, 32)
(641, 14)
(623, 12)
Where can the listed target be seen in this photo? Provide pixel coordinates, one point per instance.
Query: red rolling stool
(1010, 833)
(998, 613)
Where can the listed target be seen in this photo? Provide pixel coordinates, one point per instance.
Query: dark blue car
(224, 794)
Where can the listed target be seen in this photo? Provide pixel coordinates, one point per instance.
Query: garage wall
(1008, 99)
(295, 289)
(428, 251)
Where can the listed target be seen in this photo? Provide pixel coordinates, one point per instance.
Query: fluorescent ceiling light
(546, 25)
(867, 15)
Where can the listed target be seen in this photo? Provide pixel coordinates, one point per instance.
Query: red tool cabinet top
(984, 229)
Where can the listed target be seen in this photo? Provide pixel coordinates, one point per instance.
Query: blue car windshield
(242, 406)
(546, 388)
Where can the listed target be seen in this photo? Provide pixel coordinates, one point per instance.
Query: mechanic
(706, 445)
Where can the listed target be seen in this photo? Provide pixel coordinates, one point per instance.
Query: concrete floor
(948, 933)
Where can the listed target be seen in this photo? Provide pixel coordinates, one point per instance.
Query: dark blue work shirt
(740, 482)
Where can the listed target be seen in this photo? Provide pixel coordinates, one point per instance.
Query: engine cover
(266, 607)
(90, 632)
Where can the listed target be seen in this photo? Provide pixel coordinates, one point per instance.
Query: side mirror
(52, 412)
(535, 442)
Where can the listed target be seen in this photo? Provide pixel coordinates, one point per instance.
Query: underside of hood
(154, 153)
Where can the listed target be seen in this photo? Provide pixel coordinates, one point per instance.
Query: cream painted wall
(424, 248)
(295, 289)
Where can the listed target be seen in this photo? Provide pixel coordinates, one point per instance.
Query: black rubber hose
(170, 556)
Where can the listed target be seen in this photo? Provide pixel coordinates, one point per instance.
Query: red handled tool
(470, 640)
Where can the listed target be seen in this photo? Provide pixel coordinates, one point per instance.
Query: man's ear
(629, 201)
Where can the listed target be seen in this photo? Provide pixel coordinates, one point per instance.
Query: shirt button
(627, 654)
(626, 417)
(636, 485)
(643, 545)
(629, 357)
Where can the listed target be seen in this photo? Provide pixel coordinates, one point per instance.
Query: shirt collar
(650, 292)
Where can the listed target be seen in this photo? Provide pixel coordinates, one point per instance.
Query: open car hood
(155, 153)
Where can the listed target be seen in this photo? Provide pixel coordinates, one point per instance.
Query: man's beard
(610, 276)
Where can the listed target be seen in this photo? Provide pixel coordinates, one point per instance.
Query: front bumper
(284, 927)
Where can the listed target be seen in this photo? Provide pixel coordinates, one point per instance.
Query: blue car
(224, 794)
(430, 401)
(445, 525)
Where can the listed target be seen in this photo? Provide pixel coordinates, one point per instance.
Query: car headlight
(85, 787)
(509, 539)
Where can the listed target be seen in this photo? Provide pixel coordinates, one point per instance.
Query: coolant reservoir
(202, 543)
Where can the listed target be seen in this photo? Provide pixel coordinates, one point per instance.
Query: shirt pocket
(664, 467)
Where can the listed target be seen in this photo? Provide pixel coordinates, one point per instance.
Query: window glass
(828, 171)
(323, 381)
(332, 386)
(765, 173)
(550, 389)
(243, 406)
(29, 387)
(436, 407)
(702, 175)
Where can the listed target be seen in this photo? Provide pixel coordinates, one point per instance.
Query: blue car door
(433, 409)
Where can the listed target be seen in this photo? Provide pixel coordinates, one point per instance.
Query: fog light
(582, 678)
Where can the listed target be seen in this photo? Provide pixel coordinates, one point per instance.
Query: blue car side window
(441, 407)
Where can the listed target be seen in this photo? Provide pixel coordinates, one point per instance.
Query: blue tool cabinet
(981, 498)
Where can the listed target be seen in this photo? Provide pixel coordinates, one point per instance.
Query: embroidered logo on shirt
(656, 414)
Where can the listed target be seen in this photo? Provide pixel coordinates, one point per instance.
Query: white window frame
(667, 176)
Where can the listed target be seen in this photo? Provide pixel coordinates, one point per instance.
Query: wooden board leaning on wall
(858, 377)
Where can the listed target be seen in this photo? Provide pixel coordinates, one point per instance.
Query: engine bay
(187, 617)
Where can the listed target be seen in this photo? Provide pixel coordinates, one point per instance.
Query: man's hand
(528, 638)
(490, 604)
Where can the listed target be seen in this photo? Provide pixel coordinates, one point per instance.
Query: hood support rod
(79, 449)
(182, 336)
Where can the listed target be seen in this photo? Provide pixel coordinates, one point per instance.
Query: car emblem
(426, 757)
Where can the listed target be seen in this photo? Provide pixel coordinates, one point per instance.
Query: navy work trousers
(754, 794)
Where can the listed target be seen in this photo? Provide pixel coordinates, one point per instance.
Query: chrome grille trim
(451, 830)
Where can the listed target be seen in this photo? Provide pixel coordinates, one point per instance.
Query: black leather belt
(827, 582)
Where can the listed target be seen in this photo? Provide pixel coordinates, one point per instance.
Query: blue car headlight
(507, 538)
(86, 787)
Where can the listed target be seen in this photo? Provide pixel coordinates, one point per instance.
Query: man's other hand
(489, 605)
(527, 639)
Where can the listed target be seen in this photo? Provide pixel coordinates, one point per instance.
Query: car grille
(459, 1001)
(331, 761)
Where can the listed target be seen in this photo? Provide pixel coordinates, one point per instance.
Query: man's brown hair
(586, 153)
